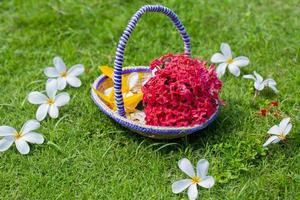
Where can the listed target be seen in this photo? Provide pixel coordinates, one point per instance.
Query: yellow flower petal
(112, 95)
(131, 102)
(105, 98)
(107, 71)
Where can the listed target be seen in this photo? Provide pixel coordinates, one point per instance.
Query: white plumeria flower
(279, 132)
(200, 178)
(27, 134)
(64, 76)
(50, 103)
(260, 83)
(225, 59)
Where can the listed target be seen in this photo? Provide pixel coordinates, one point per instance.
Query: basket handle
(123, 41)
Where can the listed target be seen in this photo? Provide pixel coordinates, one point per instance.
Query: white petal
(193, 192)
(259, 78)
(42, 111)
(218, 58)
(274, 130)
(181, 185)
(37, 98)
(34, 138)
(202, 168)
(49, 80)
(186, 166)
(5, 143)
(225, 49)
(153, 71)
(269, 82)
(61, 83)
(108, 91)
(59, 64)
(241, 61)
(234, 70)
(73, 81)
(133, 80)
(7, 131)
(53, 111)
(288, 129)
(249, 76)
(207, 182)
(30, 126)
(51, 72)
(51, 88)
(259, 86)
(221, 69)
(283, 124)
(272, 139)
(22, 146)
(273, 87)
(76, 70)
(62, 99)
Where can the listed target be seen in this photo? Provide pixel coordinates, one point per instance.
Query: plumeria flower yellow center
(63, 74)
(51, 101)
(18, 135)
(196, 179)
(281, 136)
(229, 61)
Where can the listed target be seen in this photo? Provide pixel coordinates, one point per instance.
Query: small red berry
(264, 112)
(275, 103)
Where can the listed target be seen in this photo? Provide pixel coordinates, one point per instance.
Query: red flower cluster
(183, 92)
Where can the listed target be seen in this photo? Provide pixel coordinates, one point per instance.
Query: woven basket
(157, 132)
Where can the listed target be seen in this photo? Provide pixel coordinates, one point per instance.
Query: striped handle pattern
(123, 41)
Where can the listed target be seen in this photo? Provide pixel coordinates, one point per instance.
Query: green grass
(88, 156)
